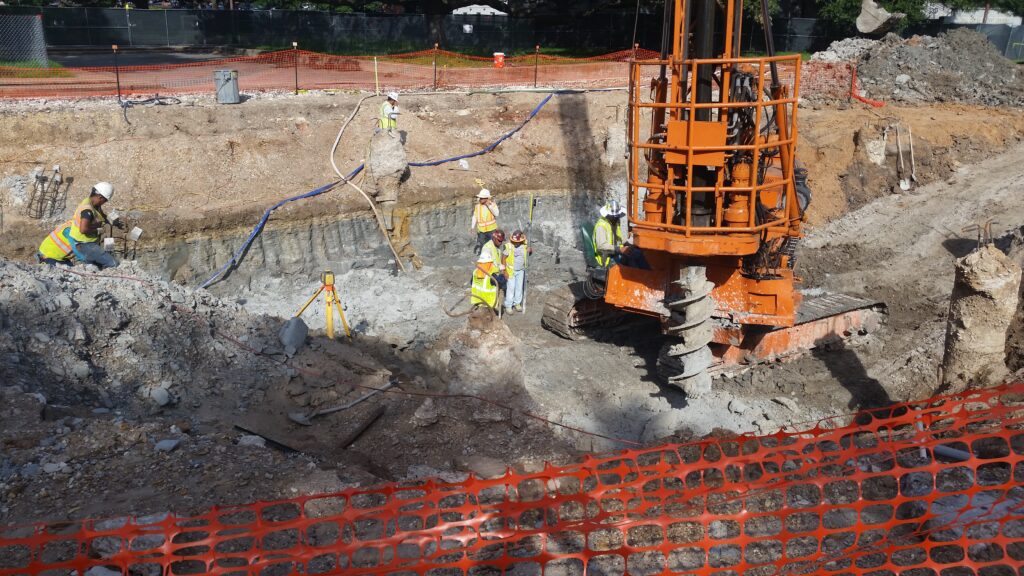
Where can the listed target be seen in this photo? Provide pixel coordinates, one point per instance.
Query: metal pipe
(666, 34)
(684, 49)
(703, 47)
(737, 25)
(769, 42)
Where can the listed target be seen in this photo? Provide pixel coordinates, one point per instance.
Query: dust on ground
(189, 391)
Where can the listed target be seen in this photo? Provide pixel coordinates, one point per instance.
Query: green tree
(1011, 6)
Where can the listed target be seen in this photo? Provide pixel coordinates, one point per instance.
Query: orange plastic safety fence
(932, 488)
(300, 69)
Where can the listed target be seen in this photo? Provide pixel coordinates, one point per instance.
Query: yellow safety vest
(510, 257)
(484, 289)
(386, 121)
(485, 220)
(57, 245)
(76, 222)
(605, 225)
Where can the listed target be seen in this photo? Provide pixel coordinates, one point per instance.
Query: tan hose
(373, 205)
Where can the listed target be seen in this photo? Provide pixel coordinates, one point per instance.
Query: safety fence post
(295, 64)
(852, 67)
(536, 63)
(128, 20)
(376, 78)
(88, 27)
(117, 72)
(435, 66)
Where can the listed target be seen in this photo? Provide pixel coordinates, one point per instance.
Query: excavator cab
(715, 203)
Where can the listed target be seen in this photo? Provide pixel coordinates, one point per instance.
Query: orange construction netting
(303, 70)
(930, 488)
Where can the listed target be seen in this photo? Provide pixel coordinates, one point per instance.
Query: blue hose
(237, 257)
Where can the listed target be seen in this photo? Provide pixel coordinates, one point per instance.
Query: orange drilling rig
(715, 203)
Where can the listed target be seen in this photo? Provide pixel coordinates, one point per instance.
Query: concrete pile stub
(386, 168)
(983, 303)
(486, 360)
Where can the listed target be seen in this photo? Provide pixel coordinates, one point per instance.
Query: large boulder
(873, 19)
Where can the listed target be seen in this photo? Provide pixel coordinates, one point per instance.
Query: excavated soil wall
(184, 171)
(439, 236)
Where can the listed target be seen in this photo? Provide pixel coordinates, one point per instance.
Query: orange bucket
(499, 59)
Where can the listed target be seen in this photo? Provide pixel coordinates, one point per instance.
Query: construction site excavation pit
(146, 393)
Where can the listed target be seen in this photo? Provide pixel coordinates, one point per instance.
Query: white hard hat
(612, 208)
(393, 96)
(483, 193)
(105, 189)
(485, 258)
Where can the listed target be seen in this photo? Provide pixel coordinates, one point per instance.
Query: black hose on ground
(157, 100)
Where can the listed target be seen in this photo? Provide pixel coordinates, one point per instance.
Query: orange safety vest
(485, 220)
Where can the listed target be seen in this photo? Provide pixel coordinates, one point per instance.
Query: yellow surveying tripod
(327, 284)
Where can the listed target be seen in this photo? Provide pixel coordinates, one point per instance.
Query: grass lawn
(32, 69)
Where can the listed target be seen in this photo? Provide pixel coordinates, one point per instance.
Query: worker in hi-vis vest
(484, 289)
(485, 218)
(609, 246)
(79, 237)
(389, 113)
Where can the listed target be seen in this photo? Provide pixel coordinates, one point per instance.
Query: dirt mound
(957, 66)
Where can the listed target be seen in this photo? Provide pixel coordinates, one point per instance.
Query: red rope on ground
(855, 93)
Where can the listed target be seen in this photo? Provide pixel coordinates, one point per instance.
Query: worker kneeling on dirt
(516, 253)
(79, 237)
(485, 218)
(486, 281)
(609, 247)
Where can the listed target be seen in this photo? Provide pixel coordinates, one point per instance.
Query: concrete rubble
(960, 65)
(845, 50)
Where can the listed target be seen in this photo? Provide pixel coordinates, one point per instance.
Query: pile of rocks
(845, 50)
(957, 66)
(138, 345)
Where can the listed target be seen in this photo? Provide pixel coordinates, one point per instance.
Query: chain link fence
(22, 42)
